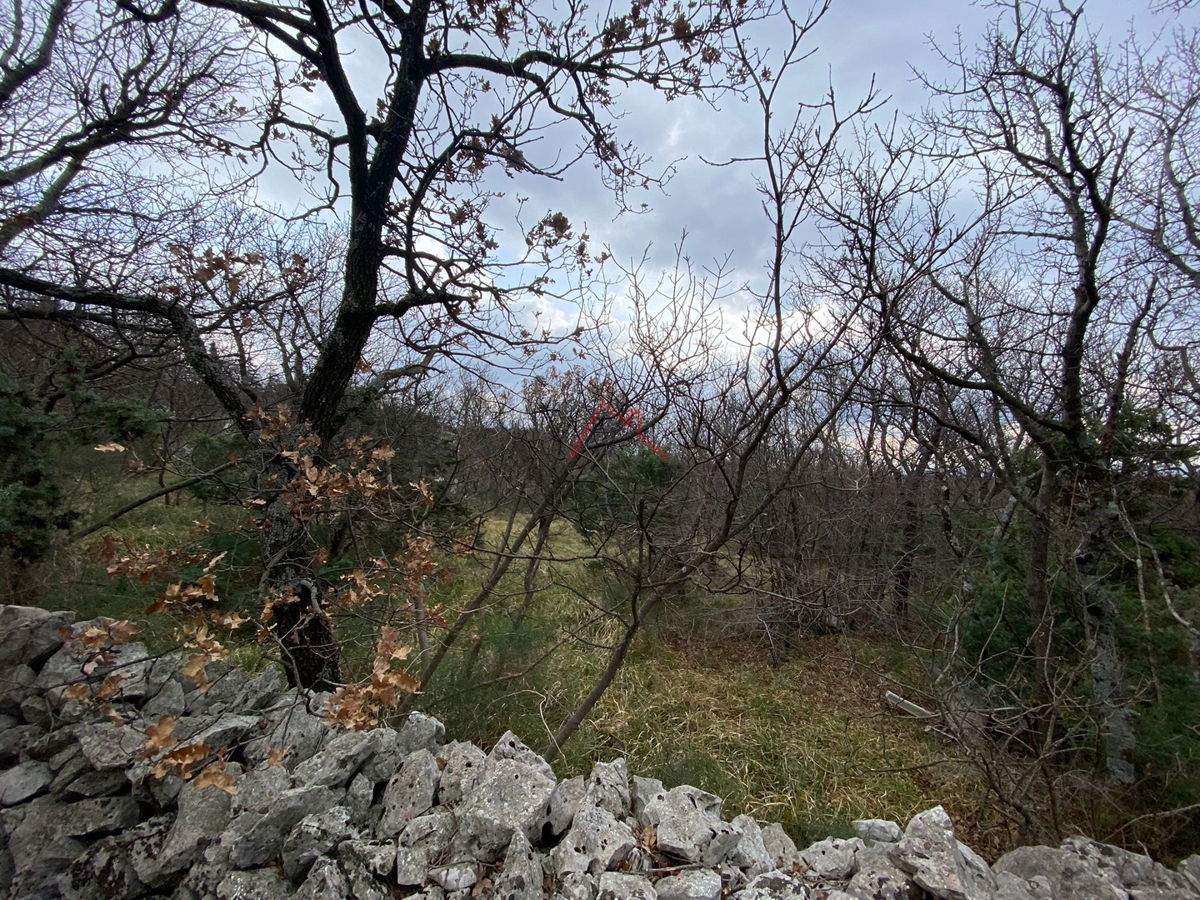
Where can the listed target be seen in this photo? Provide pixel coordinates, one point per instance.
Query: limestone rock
(1069, 876)
(412, 866)
(522, 873)
(564, 804)
(359, 797)
(24, 782)
(292, 723)
(624, 886)
(878, 878)
(698, 884)
(750, 852)
(419, 732)
(121, 867)
(832, 859)
(410, 792)
(433, 833)
(17, 685)
(879, 830)
(261, 884)
(29, 636)
(608, 787)
(339, 761)
(258, 789)
(929, 853)
(596, 843)
(780, 847)
(315, 835)
(512, 747)
(642, 792)
(262, 839)
(325, 881)
(773, 886)
(456, 876)
(687, 825)
(462, 764)
(511, 796)
(203, 815)
(361, 862)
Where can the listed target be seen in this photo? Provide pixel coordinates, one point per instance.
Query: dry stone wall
(285, 806)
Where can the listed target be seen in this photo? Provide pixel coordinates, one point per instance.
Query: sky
(857, 40)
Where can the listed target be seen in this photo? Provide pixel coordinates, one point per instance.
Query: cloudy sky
(857, 40)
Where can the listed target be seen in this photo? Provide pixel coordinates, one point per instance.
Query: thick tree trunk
(303, 629)
(1037, 592)
(1100, 615)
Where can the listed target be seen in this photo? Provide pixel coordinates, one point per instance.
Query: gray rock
(263, 840)
(512, 747)
(204, 878)
(117, 868)
(315, 835)
(29, 635)
(1137, 872)
(41, 845)
(462, 764)
(261, 884)
(564, 804)
(577, 886)
(750, 853)
(169, 701)
(1010, 887)
(232, 690)
(325, 881)
(420, 732)
(698, 884)
(880, 830)
(642, 792)
(433, 833)
(687, 825)
(624, 886)
(410, 792)
(203, 815)
(511, 796)
(597, 842)
(361, 862)
(339, 761)
(74, 784)
(522, 873)
(1190, 869)
(17, 685)
(24, 782)
(780, 847)
(773, 886)
(1068, 875)
(89, 819)
(412, 866)
(385, 757)
(608, 787)
(110, 747)
(259, 788)
(832, 859)
(878, 878)
(359, 797)
(103, 872)
(13, 741)
(929, 853)
(455, 876)
(293, 723)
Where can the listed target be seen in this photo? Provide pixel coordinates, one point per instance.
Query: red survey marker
(631, 419)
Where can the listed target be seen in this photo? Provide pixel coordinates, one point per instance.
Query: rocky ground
(273, 802)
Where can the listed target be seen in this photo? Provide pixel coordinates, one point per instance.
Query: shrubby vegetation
(955, 451)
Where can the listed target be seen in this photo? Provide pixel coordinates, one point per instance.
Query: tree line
(962, 409)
